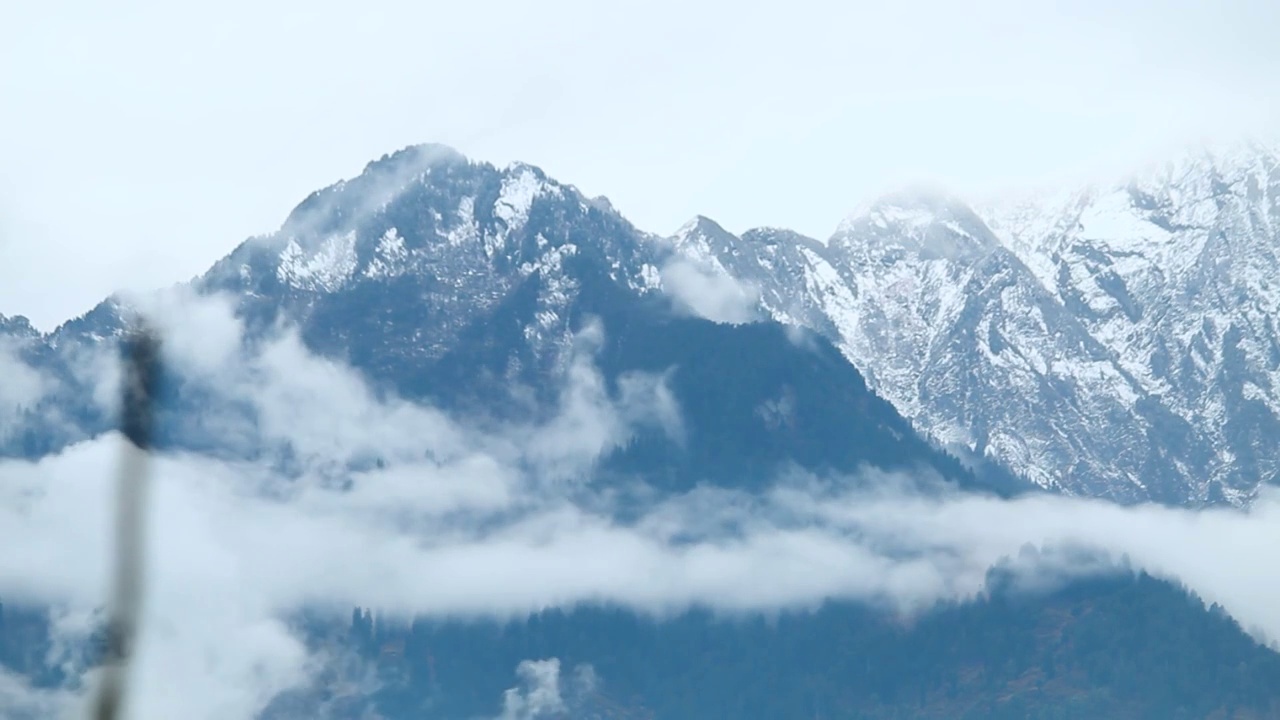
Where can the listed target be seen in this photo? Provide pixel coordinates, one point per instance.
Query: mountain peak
(774, 236)
(920, 196)
(921, 220)
(332, 208)
(17, 325)
(704, 238)
(1210, 167)
(417, 156)
(460, 238)
(700, 224)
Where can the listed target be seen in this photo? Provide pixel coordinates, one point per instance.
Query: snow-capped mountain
(1118, 341)
(468, 286)
(1175, 271)
(426, 248)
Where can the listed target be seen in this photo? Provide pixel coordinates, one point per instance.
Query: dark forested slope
(1126, 647)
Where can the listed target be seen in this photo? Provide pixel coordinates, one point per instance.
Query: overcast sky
(140, 141)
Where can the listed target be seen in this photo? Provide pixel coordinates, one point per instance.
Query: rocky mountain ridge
(1118, 341)
(465, 285)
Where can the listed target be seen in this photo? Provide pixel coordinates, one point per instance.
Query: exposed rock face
(1117, 341)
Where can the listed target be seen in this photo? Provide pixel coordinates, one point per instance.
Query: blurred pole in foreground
(140, 380)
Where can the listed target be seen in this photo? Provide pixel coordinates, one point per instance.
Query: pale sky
(140, 141)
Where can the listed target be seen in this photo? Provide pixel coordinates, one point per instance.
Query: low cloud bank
(462, 521)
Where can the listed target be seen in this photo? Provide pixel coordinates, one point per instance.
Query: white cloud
(202, 334)
(20, 701)
(228, 562)
(709, 293)
(538, 696)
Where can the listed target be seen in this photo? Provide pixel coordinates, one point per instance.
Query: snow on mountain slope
(764, 261)
(957, 332)
(1175, 272)
(1117, 341)
(450, 239)
(473, 287)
